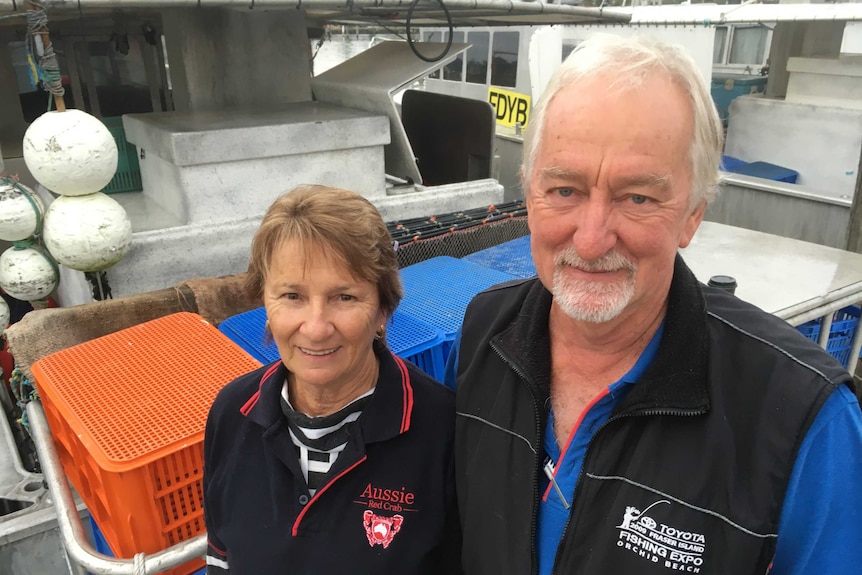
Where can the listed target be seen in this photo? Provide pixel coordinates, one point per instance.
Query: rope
(38, 304)
(140, 568)
(319, 44)
(49, 68)
(24, 393)
(412, 43)
(25, 244)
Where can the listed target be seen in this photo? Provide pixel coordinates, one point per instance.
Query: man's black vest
(690, 471)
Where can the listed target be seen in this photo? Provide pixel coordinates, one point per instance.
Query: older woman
(338, 457)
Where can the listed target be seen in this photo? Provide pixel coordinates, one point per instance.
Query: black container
(727, 283)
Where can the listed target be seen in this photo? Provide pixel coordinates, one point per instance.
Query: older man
(616, 416)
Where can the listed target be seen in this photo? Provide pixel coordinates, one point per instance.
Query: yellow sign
(510, 107)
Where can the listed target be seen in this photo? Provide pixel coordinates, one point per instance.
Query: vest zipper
(575, 508)
(536, 450)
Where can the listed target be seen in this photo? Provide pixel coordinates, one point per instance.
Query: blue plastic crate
(247, 331)
(99, 541)
(767, 171)
(418, 342)
(438, 290)
(845, 322)
(513, 257)
(406, 336)
(731, 164)
(102, 546)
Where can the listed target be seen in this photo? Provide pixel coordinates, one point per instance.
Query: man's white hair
(630, 61)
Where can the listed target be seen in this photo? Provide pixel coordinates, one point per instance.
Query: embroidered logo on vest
(673, 548)
(381, 530)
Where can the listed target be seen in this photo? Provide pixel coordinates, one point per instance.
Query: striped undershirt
(319, 440)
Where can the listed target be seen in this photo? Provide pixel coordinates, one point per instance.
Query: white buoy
(71, 153)
(4, 315)
(27, 274)
(20, 215)
(87, 233)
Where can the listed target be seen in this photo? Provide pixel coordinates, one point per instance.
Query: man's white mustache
(610, 262)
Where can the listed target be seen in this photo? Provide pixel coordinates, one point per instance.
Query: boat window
(718, 47)
(18, 52)
(504, 59)
(433, 37)
(119, 76)
(569, 46)
(477, 57)
(748, 45)
(453, 70)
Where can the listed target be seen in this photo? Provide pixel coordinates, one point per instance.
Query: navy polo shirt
(387, 504)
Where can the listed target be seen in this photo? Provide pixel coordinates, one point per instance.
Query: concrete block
(209, 167)
(190, 138)
(221, 192)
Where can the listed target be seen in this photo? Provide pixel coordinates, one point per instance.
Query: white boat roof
(715, 14)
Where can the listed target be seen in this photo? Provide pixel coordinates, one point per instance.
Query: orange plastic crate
(127, 413)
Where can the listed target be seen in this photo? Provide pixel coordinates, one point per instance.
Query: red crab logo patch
(381, 530)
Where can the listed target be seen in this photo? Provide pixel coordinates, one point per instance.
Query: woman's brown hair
(343, 224)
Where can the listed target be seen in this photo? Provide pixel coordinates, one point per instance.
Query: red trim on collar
(252, 401)
(407, 406)
(216, 549)
(319, 492)
(572, 433)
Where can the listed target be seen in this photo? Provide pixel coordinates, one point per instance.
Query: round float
(20, 212)
(87, 233)
(27, 274)
(71, 153)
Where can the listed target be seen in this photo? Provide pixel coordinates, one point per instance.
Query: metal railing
(74, 540)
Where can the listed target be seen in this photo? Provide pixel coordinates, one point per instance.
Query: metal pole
(855, 349)
(5, 401)
(74, 568)
(854, 226)
(74, 540)
(825, 328)
(800, 313)
(509, 6)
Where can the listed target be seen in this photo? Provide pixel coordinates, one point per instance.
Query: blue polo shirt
(553, 511)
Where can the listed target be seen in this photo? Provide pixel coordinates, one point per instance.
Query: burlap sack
(45, 331)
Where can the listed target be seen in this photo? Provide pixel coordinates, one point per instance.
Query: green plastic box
(128, 176)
